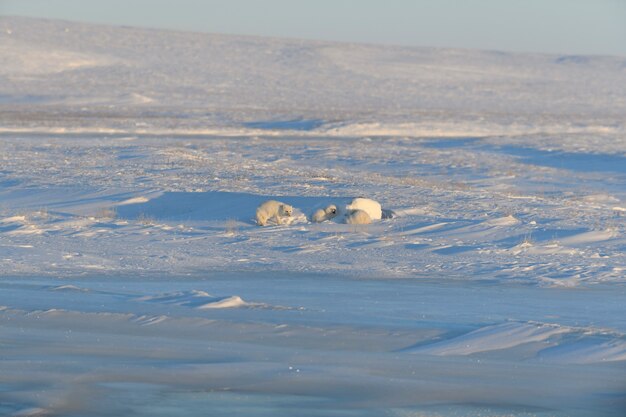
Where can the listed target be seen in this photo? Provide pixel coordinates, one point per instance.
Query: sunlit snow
(134, 280)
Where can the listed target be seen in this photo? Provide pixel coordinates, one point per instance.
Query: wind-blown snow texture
(131, 165)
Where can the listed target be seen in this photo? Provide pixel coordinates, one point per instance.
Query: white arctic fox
(358, 217)
(371, 207)
(272, 209)
(324, 214)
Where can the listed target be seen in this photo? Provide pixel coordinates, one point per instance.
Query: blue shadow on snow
(215, 206)
(294, 124)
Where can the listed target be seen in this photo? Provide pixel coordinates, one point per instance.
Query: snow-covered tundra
(503, 269)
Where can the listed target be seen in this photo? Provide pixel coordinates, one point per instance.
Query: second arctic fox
(272, 210)
(371, 207)
(358, 217)
(324, 214)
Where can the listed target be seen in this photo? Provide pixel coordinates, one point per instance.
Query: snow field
(134, 280)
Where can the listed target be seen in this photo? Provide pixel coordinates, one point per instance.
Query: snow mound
(500, 336)
(146, 320)
(601, 198)
(13, 219)
(69, 288)
(502, 221)
(586, 351)
(200, 300)
(229, 302)
(133, 200)
(32, 412)
(589, 237)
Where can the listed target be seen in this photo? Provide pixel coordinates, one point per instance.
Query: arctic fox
(272, 210)
(371, 207)
(358, 217)
(325, 214)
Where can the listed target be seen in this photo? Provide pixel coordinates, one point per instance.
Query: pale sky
(553, 26)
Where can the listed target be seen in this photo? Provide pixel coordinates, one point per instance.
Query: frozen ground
(134, 281)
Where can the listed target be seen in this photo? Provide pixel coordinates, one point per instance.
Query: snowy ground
(135, 282)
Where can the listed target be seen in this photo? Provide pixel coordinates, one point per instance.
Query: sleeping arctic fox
(272, 210)
(358, 217)
(324, 214)
(371, 207)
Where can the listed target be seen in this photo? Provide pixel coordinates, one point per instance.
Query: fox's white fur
(324, 214)
(371, 207)
(358, 217)
(272, 210)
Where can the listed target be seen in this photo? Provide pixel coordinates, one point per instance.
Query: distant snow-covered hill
(137, 77)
